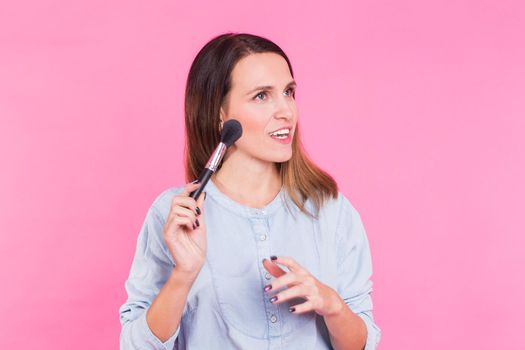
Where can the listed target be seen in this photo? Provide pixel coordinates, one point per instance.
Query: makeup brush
(231, 132)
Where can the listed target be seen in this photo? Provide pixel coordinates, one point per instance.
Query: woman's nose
(284, 108)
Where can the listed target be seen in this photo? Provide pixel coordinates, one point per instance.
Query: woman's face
(262, 99)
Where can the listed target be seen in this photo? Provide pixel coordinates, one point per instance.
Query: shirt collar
(241, 209)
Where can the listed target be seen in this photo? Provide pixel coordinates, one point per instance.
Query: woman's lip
(284, 127)
(287, 140)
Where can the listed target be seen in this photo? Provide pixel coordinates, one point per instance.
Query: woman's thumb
(200, 201)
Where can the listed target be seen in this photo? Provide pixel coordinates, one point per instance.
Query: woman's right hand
(186, 244)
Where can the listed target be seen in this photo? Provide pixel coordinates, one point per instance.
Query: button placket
(261, 231)
(274, 320)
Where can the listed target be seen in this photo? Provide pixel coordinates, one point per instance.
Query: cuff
(137, 335)
(374, 332)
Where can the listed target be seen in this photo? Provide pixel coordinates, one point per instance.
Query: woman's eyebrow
(270, 87)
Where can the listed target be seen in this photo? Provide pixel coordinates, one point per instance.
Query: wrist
(336, 305)
(180, 277)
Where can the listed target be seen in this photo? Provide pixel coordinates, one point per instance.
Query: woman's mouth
(282, 135)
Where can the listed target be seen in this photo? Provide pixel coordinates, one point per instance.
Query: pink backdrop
(417, 108)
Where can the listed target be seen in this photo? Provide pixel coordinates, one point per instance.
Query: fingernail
(197, 222)
(264, 260)
(273, 257)
(292, 309)
(194, 227)
(198, 210)
(273, 299)
(195, 181)
(204, 195)
(267, 287)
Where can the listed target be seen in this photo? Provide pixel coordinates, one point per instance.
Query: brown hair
(209, 81)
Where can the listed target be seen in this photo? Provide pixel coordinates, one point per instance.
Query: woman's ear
(222, 117)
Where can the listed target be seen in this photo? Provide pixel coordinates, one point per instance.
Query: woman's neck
(251, 183)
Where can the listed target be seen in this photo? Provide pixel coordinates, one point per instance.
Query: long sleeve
(354, 263)
(150, 269)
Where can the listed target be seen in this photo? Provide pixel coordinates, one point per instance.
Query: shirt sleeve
(354, 263)
(150, 269)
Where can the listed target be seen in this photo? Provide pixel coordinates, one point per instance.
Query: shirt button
(267, 276)
(273, 318)
(262, 237)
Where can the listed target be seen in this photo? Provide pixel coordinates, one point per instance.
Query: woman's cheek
(253, 123)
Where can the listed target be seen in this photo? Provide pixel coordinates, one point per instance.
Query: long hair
(209, 81)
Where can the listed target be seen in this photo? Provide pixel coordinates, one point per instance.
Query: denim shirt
(226, 307)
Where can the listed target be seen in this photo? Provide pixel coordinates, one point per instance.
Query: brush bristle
(231, 132)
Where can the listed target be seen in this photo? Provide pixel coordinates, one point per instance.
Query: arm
(353, 326)
(152, 281)
(165, 313)
(167, 261)
(347, 330)
(348, 317)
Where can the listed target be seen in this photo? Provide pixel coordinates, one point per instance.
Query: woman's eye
(291, 92)
(260, 94)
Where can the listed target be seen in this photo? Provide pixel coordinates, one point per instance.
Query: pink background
(417, 108)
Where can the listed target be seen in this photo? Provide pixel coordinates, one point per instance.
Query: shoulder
(339, 217)
(162, 201)
(337, 208)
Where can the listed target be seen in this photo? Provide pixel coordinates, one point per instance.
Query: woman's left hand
(301, 284)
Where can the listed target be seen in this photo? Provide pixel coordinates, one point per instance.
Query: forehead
(260, 69)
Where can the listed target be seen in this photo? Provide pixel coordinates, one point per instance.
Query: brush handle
(210, 168)
(203, 180)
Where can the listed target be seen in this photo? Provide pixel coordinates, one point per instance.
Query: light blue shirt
(226, 307)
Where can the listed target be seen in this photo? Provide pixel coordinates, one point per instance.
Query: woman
(275, 257)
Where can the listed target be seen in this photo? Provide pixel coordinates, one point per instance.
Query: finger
(290, 263)
(185, 221)
(273, 269)
(182, 211)
(200, 203)
(287, 280)
(190, 187)
(186, 202)
(298, 291)
(302, 308)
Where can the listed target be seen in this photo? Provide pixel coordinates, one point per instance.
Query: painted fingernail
(198, 210)
(194, 227)
(273, 299)
(267, 287)
(197, 222)
(204, 195)
(195, 181)
(273, 257)
(292, 309)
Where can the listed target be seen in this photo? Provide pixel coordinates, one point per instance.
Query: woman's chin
(281, 158)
